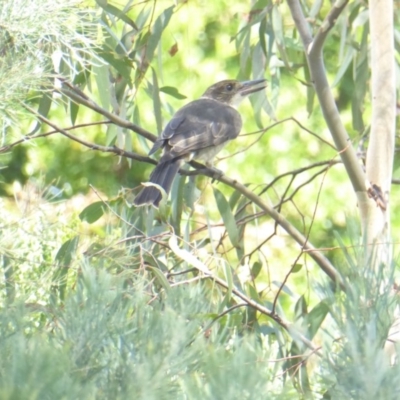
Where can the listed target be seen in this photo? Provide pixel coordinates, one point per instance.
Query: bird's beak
(249, 87)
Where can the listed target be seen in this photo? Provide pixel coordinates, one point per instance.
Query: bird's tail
(162, 175)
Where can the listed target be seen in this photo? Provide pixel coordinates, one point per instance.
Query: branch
(313, 49)
(79, 97)
(306, 246)
(27, 138)
(92, 146)
(191, 259)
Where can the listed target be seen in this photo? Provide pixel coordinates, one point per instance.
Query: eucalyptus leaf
(227, 217)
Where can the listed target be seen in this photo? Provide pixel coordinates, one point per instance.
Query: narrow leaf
(156, 32)
(157, 102)
(43, 109)
(67, 251)
(121, 63)
(172, 91)
(73, 111)
(256, 269)
(162, 280)
(277, 25)
(229, 279)
(103, 85)
(227, 217)
(116, 12)
(344, 65)
(93, 212)
(296, 268)
(64, 257)
(300, 308)
(315, 318)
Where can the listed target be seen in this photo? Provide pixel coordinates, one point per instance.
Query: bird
(199, 130)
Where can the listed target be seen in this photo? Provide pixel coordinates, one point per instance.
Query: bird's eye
(229, 87)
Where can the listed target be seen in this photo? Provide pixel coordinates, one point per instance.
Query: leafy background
(93, 308)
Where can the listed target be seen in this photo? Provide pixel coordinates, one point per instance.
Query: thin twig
(26, 138)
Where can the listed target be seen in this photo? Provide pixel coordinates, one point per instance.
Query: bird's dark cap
(249, 87)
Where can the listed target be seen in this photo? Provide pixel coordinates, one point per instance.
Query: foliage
(113, 338)
(30, 52)
(210, 295)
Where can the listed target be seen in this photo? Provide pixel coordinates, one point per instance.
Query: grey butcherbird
(198, 130)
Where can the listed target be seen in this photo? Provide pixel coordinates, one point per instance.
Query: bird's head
(232, 92)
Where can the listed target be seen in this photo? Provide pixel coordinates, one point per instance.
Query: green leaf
(296, 268)
(43, 109)
(344, 65)
(112, 132)
(67, 251)
(116, 12)
(177, 196)
(64, 257)
(157, 102)
(261, 36)
(227, 217)
(172, 91)
(260, 4)
(315, 318)
(229, 280)
(93, 212)
(121, 63)
(285, 289)
(162, 280)
(277, 25)
(103, 84)
(300, 309)
(253, 293)
(190, 193)
(156, 32)
(256, 269)
(236, 195)
(73, 111)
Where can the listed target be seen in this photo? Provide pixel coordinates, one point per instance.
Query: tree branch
(306, 246)
(79, 97)
(92, 146)
(191, 259)
(27, 138)
(313, 49)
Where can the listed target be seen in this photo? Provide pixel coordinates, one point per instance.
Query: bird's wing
(167, 133)
(200, 124)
